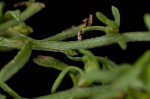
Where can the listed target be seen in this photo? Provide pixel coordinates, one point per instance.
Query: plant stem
(76, 93)
(10, 91)
(88, 43)
(65, 34)
(11, 43)
(62, 74)
(92, 28)
(84, 44)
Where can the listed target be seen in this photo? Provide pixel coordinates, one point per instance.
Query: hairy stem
(89, 43)
(85, 44)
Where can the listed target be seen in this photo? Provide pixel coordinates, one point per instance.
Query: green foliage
(50, 62)
(12, 15)
(101, 78)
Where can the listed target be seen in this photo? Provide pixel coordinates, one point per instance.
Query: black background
(33, 80)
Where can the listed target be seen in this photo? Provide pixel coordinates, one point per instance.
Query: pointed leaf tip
(116, 14)
(13, 14)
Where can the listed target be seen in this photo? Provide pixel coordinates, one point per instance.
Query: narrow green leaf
(2, 96)
(147, 20)
(74, 79)
(125, 80)
(16, 64)
(104, 19)
(90, 61)
(105, 76)
(12, 33)
(61, 76)
(112, 27)
(144, 77)
(121, 41)
(107, 63)
(50, 62)
(10, 91)
(131, 77)
(23, 28)
(144, 64)
(78, 93)
(17, 32)
(12, 14)
(116, 14)
(144, 60)
(128, 79)
(147, 75)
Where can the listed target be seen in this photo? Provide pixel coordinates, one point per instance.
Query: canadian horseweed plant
(100, 78)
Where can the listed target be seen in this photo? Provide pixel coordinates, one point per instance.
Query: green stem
(106, 62)
(88, 43)
(144, 60)
(62, 74)
(11, 43)
(76, 93)
(2, 96)
(13, 66)
(65, 34)
(10, 91)
(74, 58)
(121, 41)
(31, 10)
(74, 79)
(73, 32)
(84, 44)
(91, 28)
